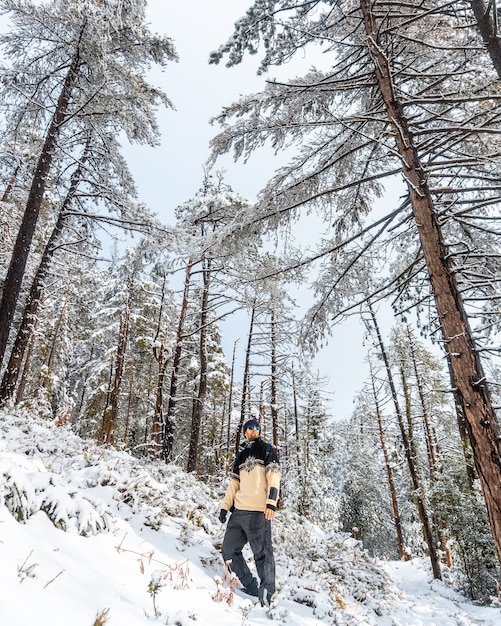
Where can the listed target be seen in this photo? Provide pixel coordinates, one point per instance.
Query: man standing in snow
(252, 497)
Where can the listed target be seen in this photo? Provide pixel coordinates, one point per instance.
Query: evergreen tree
(73, 63)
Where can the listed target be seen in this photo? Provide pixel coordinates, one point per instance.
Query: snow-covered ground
(140, 546)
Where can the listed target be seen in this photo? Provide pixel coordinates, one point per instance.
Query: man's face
(251, 434)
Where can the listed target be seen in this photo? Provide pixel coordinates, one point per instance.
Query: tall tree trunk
(389, 474)
(162, 360)
(472, 391)
(169, 423)
(219, 453)
(408, 414)
(431, 446)
(158, 416)
(469, 458)
(27, 363)
(262, 409)
(230, 402)
(110, 416)
(305, 496)
(202, 385)
(129, 410)
(10, 185)
(243, 403)
(307, 436)
(273, 391)
(487, 21)
(296, 420)
(55, 337)
(15, 272)
(31, 311)
(418, 492)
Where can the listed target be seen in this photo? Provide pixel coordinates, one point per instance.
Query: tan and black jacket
(255, 480)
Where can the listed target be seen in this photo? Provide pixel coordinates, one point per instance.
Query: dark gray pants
(254, 528)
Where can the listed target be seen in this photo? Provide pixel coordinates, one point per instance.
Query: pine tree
(93, 56)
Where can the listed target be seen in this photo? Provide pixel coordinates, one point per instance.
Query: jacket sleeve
(233, 487)
(273, 476)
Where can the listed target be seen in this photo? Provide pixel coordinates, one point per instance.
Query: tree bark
(230, 403)
(27, 362)
(472, 390)
(296, 420)
(129, 410)
(10, 185)
(469, 458)
(158, 416)
(487, 21)
(262, 409)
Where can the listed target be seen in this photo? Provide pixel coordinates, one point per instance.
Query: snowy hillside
(90, 536)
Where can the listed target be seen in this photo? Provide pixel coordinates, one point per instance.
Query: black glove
(222, 515)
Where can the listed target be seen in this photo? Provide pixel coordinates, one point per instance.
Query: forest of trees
(124, 343)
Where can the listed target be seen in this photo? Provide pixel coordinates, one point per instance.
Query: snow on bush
(16, 491)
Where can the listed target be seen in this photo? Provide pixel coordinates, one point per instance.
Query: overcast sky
(173, 173)
(198, 91)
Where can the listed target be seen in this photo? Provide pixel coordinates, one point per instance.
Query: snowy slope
(141, 546)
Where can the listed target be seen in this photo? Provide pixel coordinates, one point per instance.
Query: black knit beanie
(248, 423)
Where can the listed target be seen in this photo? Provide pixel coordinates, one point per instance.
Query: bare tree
(389, 471)
(162, 356)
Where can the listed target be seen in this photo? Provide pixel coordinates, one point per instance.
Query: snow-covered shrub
(69, 510)
(25, 493)
(16, 491)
